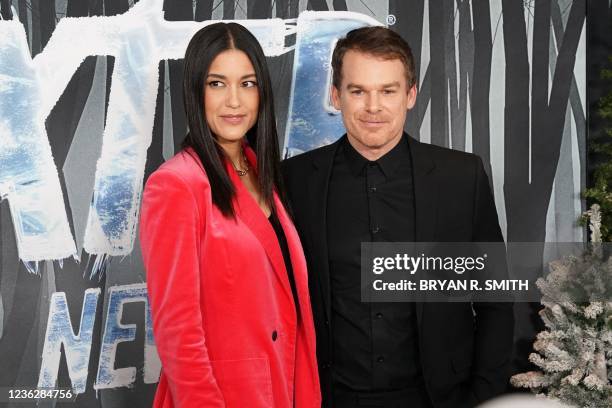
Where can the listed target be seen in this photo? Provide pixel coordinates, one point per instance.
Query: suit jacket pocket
(245, 381)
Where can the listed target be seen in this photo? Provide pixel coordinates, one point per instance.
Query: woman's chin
(230, 137)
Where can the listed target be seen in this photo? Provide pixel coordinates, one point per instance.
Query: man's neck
(374, 153)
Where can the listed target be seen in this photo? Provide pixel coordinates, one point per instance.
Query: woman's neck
(233, 151)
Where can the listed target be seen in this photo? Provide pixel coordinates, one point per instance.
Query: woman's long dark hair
(205, 45)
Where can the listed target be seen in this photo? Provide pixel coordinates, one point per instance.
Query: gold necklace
(242, 172)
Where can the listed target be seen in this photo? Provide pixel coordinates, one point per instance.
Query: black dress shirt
(375, 344)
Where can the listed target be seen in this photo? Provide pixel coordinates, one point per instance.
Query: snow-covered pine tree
(574, 353)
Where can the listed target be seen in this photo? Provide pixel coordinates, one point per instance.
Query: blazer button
(274, 335)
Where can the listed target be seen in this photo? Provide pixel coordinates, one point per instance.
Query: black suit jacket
(464, 347)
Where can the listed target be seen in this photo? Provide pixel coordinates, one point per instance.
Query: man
(377, 184)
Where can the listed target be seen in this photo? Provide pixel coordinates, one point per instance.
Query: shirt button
(380, 359)
(373, 189)
(379, 315)
(274, 335)
(375, 230)
(327, 322)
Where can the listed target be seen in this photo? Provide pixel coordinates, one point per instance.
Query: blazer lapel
(425, 192)
(318, 185)
(425, 199)
(300, 274)
(249, 212)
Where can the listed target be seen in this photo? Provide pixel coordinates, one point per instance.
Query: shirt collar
(387, 163)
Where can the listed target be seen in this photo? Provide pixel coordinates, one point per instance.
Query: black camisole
(282, 242)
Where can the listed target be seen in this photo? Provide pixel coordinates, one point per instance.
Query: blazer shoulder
(445, 153)
(186, 165)
(450, 160)
(304, 160)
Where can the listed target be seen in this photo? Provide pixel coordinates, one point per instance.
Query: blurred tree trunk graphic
(229, 9)
(409, 16)
(480, 84)
(318, 5)
(527, 217)
(5, 10)
(177, 10)
(340, 5)
(259, 9)
(203, 10)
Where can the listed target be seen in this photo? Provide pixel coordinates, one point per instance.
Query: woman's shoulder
(185, 165)
(185, 169)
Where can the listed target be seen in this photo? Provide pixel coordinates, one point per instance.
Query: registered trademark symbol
(390, 19)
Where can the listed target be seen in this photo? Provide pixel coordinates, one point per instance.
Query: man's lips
(372, 122)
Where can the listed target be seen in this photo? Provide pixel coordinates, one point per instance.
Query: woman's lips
(233, 119)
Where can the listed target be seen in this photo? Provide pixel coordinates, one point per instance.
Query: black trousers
(406, 398)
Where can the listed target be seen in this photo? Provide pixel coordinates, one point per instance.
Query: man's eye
(389, 91)
(357, 92)
(249, 84)
(216, 84)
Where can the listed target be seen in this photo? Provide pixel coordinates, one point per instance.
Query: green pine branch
(601, 146)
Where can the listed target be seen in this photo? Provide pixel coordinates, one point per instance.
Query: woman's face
(231, 96)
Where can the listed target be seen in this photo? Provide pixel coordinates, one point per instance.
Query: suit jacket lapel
(425, 199)
(300, 274)
(251, 215)
(318, 185)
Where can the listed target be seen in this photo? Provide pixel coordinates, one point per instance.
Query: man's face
(374, 99)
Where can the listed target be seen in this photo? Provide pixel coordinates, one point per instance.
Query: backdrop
(91, 104)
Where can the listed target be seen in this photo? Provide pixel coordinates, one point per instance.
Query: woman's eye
(215, 84)
(249, 84)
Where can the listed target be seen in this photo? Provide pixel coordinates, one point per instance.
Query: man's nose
(373, 102)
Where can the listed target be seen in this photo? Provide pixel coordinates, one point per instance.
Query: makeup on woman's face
(231, 96)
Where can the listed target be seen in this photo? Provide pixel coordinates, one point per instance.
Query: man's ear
(335, 97)
(412, 95)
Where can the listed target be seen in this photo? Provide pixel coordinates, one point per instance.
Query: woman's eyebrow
(220, 76)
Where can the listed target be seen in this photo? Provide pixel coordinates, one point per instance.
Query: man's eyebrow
(389, 85)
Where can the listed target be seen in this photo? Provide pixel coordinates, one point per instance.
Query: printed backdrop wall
(91, 104)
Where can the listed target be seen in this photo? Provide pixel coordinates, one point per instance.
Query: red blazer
(225, 326)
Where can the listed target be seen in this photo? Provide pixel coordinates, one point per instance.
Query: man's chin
(376, 141)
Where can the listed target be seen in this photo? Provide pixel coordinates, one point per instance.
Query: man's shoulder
(304, 161)
(440, 152)
(446, 158)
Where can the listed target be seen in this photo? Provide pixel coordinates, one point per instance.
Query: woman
(225, 269)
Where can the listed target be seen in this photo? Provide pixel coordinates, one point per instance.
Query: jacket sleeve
(494, 320)
(170, 230)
